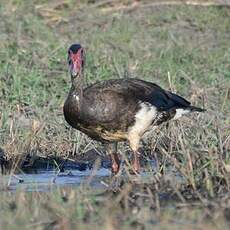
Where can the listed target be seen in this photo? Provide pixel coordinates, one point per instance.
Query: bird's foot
(136, 167)
(115, 163)
(115, 167)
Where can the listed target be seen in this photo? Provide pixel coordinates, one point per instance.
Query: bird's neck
(77, 88)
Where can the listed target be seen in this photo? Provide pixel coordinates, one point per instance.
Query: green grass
(189, 44)
(184, 48)
(133, 207)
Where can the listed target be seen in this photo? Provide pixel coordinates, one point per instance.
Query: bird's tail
(196, 109)
(181, 111)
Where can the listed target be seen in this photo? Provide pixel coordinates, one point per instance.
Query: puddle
(43, 176)
(47, 180)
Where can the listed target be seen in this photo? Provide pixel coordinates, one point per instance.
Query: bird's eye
(69, 61)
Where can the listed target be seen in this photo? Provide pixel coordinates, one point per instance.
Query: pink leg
(134, 140)
(136, 162)
(115, 163)
(112, 151)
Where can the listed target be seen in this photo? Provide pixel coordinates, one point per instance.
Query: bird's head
(76, 59)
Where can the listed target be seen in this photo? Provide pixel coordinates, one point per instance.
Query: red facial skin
(77, 61)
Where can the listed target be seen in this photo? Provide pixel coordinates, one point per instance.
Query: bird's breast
(101, 134)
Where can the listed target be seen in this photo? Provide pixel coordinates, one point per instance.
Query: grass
(182, 48)
(68, 209)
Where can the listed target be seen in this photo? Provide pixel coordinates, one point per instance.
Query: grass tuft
(182, 48)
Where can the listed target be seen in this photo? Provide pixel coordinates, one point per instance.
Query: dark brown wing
(109, 105)
(143, 91)
(114, 103)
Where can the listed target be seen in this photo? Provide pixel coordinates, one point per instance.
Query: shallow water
(49, 179)
(45, 180)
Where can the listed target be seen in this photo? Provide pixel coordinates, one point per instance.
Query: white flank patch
(180, 113)
(76, 97)
(143, 119)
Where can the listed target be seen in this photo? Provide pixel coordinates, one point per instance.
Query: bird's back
(114, 105)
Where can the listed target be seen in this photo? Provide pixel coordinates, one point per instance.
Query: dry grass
(182, 48)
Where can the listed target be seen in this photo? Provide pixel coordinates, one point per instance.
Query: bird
(118, 110)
